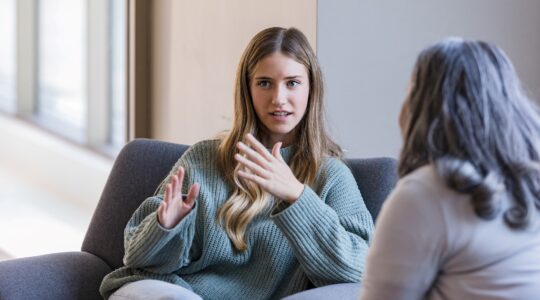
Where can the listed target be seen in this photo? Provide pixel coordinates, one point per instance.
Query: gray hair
(468, 115)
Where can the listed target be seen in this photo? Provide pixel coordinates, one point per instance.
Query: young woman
(463, 220)
(270, 207)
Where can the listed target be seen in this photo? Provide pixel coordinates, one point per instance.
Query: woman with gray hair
(463, 221)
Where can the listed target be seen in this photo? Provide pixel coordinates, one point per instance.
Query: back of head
(468, 115)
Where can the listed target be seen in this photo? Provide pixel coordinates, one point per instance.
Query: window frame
(96, 134)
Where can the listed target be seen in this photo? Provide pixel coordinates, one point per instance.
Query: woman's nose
(279, 98)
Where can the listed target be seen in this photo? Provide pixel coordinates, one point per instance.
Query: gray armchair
(136, 173)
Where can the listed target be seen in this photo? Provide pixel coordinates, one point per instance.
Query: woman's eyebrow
(294, 77)
(270, 78)
(263, 77)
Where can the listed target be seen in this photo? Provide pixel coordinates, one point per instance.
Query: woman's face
(280, 91)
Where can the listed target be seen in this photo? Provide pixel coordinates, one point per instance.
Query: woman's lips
(280, 116)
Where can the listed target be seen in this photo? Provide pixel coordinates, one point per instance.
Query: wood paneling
(195, 49)
(139, 76)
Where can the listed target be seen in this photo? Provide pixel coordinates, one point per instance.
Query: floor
(4, 255)
(48, 190)
(33, 221)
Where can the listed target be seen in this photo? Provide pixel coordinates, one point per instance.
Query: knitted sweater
(322, 238)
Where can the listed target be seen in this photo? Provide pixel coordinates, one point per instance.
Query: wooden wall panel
(195, 49)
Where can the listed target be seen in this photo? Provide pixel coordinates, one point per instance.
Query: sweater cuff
(160, 235)
(307, 212)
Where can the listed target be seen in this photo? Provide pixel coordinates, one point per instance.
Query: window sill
(70, 171)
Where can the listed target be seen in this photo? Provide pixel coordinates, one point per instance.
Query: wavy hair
(467, 114)
(312, 142)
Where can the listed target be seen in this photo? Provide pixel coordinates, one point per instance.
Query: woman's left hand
(268, 170)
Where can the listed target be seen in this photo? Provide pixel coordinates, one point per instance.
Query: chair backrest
(143, 164)
(375, 177)
(137, 171)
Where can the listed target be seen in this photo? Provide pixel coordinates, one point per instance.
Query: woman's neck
(270, 140)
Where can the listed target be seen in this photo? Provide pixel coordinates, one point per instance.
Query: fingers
(253, 155)
(192, 195)
(258, 159)
(176, 181)
(253, 167)
(253, 177)
(161, 212)
(167, 195)
(162, 207)
(258, 147)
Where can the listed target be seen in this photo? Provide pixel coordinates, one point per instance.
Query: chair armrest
(67, 275)
(342, 291)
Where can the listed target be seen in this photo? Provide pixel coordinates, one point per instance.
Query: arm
(159, 235)
(329, 233)
(150, 246)
(408, 245)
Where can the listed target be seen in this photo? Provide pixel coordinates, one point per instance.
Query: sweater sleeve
(150, 246)
(329, 232)
(408, 244)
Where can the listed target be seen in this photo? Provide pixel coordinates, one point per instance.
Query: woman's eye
(293, 83)
(263, 83)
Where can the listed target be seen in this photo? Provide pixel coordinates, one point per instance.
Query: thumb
(275, 151)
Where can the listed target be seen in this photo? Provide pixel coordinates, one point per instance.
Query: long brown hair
(313, 143)
(468, 115)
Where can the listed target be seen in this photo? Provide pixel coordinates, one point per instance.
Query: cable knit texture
(322, 238)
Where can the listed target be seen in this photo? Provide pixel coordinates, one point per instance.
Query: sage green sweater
(322, 238)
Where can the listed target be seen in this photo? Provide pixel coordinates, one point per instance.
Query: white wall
(367, 50)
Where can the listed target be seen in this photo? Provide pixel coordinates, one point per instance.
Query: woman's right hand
(173, 208)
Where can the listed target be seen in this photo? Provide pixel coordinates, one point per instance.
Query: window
(69, 57)
(118, 129)
(61, 76)
(7, 56)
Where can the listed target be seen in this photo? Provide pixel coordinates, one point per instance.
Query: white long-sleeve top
(429, 244)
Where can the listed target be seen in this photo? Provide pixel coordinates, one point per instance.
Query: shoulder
(334, 174)
(423, 190)
(202, 151)
(415, 205)
(199, 156)
(204, 146)
(332, 167)
(425, 181)
(426, 174)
